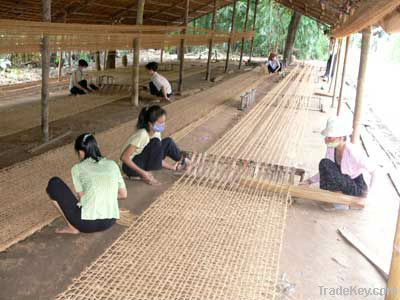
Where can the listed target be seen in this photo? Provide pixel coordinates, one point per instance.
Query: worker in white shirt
(78, 85)
(159, 85)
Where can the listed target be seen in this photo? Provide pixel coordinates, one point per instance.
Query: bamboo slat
(309, 193)
(25, 37)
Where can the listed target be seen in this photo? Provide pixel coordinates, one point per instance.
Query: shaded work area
(235, 226)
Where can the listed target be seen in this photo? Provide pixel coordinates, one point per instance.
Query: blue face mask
(159, 127)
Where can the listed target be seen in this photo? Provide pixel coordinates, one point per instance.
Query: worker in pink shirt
(345, 168)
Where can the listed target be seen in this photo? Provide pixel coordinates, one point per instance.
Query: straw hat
(337, 127)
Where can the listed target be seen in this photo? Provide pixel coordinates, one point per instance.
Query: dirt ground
(15, 148)
(313, 254)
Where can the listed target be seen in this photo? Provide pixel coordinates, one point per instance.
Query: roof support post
(346, 53)
(210, 43)
(254, 29)
(97, 59)
(45, 56)
(228, 50)
(393, 284)
(337, 72)
(105, 60)
(291, 37)
(182, 46)
(162, 55)
(358, 109)
(60, 65)
(244, 30)
(136, 53)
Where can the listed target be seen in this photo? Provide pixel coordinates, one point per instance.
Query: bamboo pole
(60, 65)
(305, 192)
(230, 36)
(337, 72)
(136, 53)
(358, 109)
(346, 53)
(291, 37)
(182, 47)
(162, 55)
(393, 283)
(45, 55)
(105, 60)
(210, 43)
(244, 30)
(254, 29)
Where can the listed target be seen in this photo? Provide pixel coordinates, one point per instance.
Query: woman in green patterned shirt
(98, 184)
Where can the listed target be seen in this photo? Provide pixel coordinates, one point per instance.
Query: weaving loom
(209, 236)
(25, 205)
(28, 116)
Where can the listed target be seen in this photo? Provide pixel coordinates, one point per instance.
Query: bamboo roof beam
(311, 12)
(369, 13)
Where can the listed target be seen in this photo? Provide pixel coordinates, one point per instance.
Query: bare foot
(67, 230)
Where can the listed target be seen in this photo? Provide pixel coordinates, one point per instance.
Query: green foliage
(271, 29)
(311, 43)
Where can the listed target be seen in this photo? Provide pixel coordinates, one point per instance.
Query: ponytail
(88, 144)
(149, 115)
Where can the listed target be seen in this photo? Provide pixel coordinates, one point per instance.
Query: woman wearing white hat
(345, 168)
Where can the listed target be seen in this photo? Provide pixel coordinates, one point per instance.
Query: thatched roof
(156, 12)
(338, 14)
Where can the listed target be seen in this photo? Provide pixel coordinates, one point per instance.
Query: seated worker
(273, 63)
(98, 184)
(78, 85)
(159, 85)
(146, 150)
(345, 168)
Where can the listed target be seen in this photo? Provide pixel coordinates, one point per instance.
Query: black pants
(272, 70)
(332, 179)
(58, 191)
(154, 91)
(83, 83)
(328, 66)
(152, 156)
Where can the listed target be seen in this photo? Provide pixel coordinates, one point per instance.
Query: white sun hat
(337, 127)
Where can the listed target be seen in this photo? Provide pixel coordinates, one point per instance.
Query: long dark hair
(87, 143)
(149, 115)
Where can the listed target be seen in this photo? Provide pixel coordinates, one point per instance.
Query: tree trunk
(97, 60)
(111, 59)
(291, 37)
